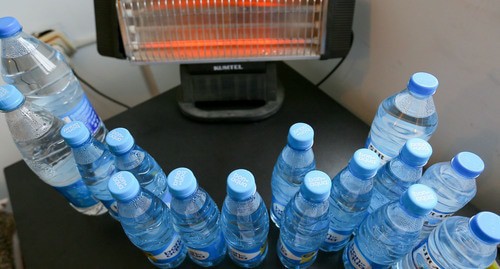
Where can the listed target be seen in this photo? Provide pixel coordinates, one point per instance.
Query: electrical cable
(99, 92)
(338, 64)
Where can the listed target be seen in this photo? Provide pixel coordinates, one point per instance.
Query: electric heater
(227, 48)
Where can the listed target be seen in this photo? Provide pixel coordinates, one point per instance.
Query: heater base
(230, 91)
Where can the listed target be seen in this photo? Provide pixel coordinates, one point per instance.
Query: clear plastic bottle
(404, 115)
(94, 161)
(455, 185)
(244, 220)
(41, 73)
(396, 176)
(132, 158)
(196, 218)
(35, 132)
(390, 232)
(294, 162)
(458, 243)
(349, 198)
(146, 221)
(305, 222)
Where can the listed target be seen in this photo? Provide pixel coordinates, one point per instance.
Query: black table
(53, 235)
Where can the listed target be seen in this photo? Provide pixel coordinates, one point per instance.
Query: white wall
(457, 40)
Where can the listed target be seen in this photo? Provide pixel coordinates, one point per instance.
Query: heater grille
(222, 30)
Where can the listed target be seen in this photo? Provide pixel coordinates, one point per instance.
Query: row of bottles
(381, 208)
(390, 208)
(44, 94)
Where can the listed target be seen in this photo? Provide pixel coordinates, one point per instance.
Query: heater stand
(248, 91)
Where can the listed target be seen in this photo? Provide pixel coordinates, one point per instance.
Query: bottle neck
(18, 45)
(28, 122)
(418, 96)
(399, 161)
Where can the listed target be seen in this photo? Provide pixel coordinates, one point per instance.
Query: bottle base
(250, 265)
(335, 248)
(95, 210)
(210, 263)
(173, 264)
(275, 220)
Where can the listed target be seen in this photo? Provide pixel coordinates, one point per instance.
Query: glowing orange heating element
(185, 31)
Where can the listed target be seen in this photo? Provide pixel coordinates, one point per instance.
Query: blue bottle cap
(316, 186)
(9, 26)
(416, 152)
(423, 83)
(300, 136)
(181, 183)
(119, 140)
(123, 186)
(419, 199)
(241, 185)
(10, 98)
(467, 164)
(75, 133)
(486, 226)
(364, 163)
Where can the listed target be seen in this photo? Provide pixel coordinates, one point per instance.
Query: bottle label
(249, 255)
(111, 205)
(422, 258)
(435, 217)
(167, 254)
(85, 113)
(209, 253)
(278, 209)
(382, 156)
(295, 257)
(335, 237)
(358, 260)
(77, 194)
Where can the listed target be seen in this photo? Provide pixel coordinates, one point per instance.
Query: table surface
(53, 235)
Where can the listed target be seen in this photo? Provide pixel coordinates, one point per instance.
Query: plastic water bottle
(407, 114)
(146, 221)
(94, 161)
(196, 218)
(349, 198)
(244, 220)
(35, 132)
(455, 185)
(390, 232)
(305, 222)
(41, 73)
(458, 243)
(294, 162)
(396, 176)
(132, 158)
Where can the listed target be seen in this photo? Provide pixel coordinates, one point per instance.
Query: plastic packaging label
(435, 217)
(209, 253)
(85, 113)
(248, 256)
(77, 194)
(168, 253)
(335, 237)
(422, 258)
(278, 209)
(384, 158)
(295, 257)
(358, 260)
